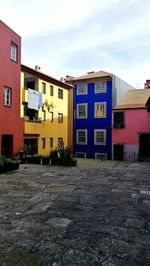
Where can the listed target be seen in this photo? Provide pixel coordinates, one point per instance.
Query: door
(32, 146)
(118, 152)
(144, 144)
(7, 145)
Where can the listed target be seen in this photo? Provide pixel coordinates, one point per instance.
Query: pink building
(131, 126)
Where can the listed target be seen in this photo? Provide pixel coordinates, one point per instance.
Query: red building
(11, 125)
(131, 126)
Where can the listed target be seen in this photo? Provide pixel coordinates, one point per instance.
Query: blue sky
(68, 37)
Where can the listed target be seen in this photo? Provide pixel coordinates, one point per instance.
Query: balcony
(32, 126)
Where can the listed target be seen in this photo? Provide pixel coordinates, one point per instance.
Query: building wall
(119, 88)
(136, 121)
(10, 121)
(70, 118)
(46, 129)
(92, 123)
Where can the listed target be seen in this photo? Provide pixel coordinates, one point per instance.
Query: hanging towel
(33, 99)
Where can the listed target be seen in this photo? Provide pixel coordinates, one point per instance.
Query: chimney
(37, 68)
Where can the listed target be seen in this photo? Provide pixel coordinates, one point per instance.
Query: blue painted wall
(92, 123)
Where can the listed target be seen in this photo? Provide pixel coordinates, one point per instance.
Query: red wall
(10, 121)
(136, 120)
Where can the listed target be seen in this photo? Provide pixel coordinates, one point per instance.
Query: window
(100, 87)
(100, 156)
(51, 90)
(7, 96)
(81, 154)
(81, 136)
(51, 116)
(60, 93)
(100, 137)
(13, 52)
(82, 110)
(43, 88)
(100, 110)
(60, 142)
(51, 143)
(60, 118)
(43, 115)
(81, 89)
(118, 120)
(43, 143)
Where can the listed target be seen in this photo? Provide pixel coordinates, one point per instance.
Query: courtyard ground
(97, 213)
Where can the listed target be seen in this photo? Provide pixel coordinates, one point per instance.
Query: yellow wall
(70, 118)
(47, 129)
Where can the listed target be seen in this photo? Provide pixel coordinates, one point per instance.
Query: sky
(72, 37)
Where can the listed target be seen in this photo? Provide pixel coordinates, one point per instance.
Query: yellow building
(45, 111)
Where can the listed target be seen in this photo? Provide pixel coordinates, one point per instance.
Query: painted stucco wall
(47, 129)
(10, 121)
(92, 123)
(136, 121)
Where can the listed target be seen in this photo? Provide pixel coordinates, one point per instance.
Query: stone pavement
(97, 213)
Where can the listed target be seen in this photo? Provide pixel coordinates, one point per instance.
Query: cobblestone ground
(97, 213)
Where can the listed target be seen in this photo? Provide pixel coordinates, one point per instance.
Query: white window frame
(99, 153)
(95, 137)
(84, 154)
(77, 137)
(13, 51)
(100, 89)
(95, 108)
(82, 89)
(7, 96)
(86, 110)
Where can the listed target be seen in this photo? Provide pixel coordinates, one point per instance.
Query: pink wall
(136, 120)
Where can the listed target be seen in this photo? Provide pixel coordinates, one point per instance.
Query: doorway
(32, 146)
(7, 145)
(118, 152)
(144, 144)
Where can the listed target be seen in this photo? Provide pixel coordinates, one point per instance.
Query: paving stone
(91, 215)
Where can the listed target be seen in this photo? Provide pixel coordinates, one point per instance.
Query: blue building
(94, 96)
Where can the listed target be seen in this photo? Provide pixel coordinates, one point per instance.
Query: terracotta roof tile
(134, 99)
(89, 75)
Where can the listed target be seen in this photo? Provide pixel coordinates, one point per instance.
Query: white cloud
(72, 37)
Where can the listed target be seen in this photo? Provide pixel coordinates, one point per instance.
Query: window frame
(101, 153)
(78, 142)
(43, 115)
(14, 53)
(51, 143)
(43, 88)
(120, 124)
(60, 139)
(95, 137)
(60, 118)
(51, 90)
(101, 89)
(86, 111)
(82, 153)
(7, 97)
(43, 143)
(80, 86)
(60, 93)
(95, 109)
(51, 116)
